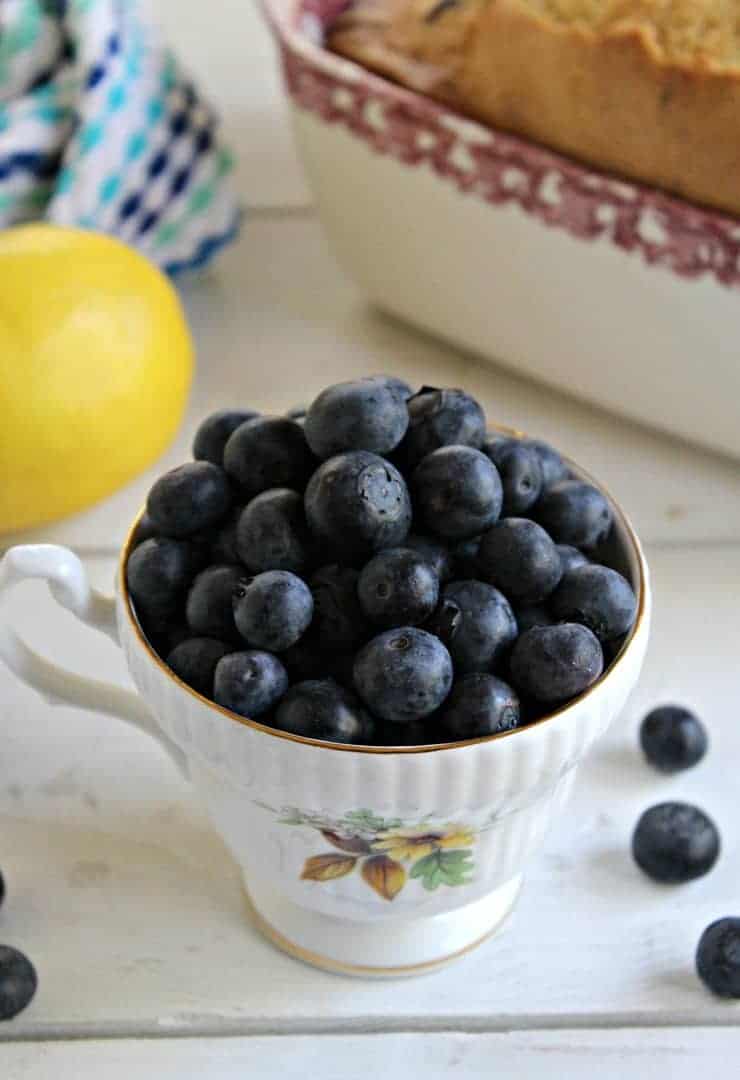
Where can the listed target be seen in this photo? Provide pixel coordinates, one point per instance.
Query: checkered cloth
(99, 128)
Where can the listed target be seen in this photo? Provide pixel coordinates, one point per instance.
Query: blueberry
(599, 598)
(675, 842)
(479, 705)
(718, 957)
(158, 573)
(520, 471)
(194, 661)
(322, 709)
(555, 663)
(457, 492)
(222, 540)
(400, 386)
(273, 610)
(571, 557)
(575, 513)
(249, 683)
(465, 559)
(305, 660)
(18, 982)
(338, 622)
(272, 533)
(366, 414)
(214, 432)
(476, 623)
(356, 504)
(145, 530)
(268, 452)
(166, 634)
(613, 648)
(189, 498)
(209, 607)
(440, 418)
(340, 667)
(403, 675)
(434, 552)
(518, 557)
(673, 738)
(553, 467)
(398, 588)
(529, 615)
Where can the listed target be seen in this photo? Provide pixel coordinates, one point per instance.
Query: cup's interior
(621, 550)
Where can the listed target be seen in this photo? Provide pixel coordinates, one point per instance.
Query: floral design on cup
(388, 852)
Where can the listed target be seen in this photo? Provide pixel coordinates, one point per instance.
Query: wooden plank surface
(277, 320)
(134, 913)
(535, 1055)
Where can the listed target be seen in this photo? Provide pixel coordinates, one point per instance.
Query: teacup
(362, 860)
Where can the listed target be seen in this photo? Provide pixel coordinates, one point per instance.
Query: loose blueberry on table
(18, 982)
(675, 842)
(383, 572)
(718, 957)
(673, 738)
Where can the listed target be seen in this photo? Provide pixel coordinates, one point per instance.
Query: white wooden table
(127, 901)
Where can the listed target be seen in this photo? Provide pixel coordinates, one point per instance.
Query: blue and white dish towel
(100, 128)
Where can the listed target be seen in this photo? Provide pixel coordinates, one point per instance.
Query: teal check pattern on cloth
(101, 129)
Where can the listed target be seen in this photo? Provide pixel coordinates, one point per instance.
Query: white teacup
(364, 860)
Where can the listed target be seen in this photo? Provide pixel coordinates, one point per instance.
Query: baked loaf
(649, 89)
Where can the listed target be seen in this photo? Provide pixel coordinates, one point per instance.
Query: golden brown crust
(610, 97)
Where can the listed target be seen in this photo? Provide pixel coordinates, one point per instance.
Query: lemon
(95, 366)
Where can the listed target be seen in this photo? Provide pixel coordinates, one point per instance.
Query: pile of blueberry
(378, 569)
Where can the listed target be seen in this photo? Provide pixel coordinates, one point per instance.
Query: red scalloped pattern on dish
(505, 169)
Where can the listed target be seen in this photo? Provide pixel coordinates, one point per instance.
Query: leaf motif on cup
(384, 875)
(327, 867)
(354, 844)
(444, 868)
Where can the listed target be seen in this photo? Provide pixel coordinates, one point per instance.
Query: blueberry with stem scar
(249, 683)
(403, 675)
(356, 504)
(520, 471)
(398, 588)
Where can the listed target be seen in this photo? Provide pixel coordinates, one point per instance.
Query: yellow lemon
(95, 367)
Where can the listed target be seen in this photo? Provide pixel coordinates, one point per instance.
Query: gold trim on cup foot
(337, 967)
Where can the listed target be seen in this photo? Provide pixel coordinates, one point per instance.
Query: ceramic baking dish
(616, 292)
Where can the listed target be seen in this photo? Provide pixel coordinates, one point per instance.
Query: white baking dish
(619, 293)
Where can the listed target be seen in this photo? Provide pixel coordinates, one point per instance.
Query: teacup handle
(69, 584)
